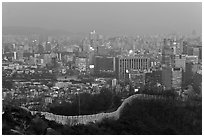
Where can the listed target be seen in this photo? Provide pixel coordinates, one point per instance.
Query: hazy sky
(106, 18)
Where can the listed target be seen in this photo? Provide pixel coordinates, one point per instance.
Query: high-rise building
(54, 62)
(172, 78)
(179, 48)
(190, 50)
(188, 75)
(185, 48)
(20, 52)
(167, 52)
(86, 45)
(93, 35)
(91, 58)
(48, 47)
(196, 51)
(166, 77)
(200, 53)
(15, 55)
(180, 61)
(127, 64)
(105, 66)
(81, 63)
(176, 78)
(93, 39)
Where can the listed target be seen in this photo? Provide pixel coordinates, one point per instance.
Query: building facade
(167, 52)
(176, 78)
(81, 64)
(128, 64)
(105, 66)
(180, 62)
(172, 78)
(166, 77)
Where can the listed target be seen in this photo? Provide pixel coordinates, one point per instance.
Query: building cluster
(179, 62)
(141, 62)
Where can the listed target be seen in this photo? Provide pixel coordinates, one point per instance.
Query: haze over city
(107, 18)
(102, 68)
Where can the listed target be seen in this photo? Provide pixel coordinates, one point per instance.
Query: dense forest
(145, 117)
(140, 117)
(86, 104)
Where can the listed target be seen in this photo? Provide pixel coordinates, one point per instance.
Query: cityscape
(98, 83)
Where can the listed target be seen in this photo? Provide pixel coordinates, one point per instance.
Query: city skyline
(102, 68)
(106, 18)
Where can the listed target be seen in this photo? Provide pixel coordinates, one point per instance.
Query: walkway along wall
(85, 119)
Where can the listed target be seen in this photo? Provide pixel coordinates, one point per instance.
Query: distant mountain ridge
(13, 30)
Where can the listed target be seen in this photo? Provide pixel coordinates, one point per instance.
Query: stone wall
(85, 119)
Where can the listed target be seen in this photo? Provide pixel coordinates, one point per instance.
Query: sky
(106, 18)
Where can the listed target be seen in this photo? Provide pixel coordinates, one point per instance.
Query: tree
(7, 84)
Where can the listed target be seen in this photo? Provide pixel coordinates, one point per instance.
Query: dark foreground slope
(146, 117)
(143, 117)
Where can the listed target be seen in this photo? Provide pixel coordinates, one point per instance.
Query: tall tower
(167, 53)
(93, 39)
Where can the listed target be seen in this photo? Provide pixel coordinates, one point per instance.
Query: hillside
(140, 117)
(145, 117)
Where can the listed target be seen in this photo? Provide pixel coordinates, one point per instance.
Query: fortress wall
(85, 119)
